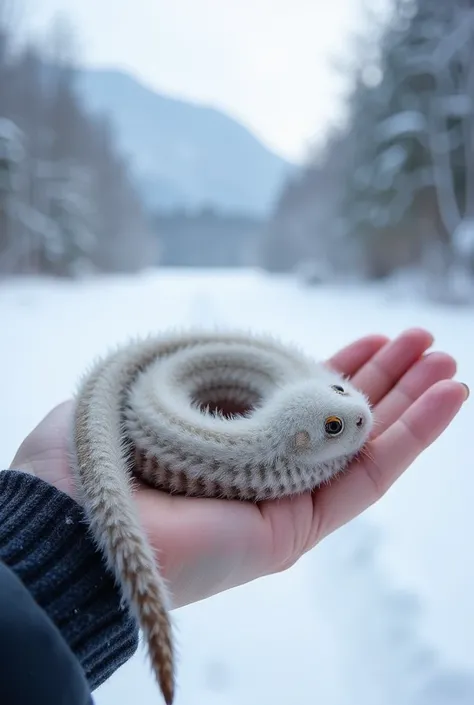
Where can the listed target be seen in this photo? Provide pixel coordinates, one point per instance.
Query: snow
(463, 238)
(391, 161)
(11, 138)
(458, 105)
(381, 612)
(406, 123)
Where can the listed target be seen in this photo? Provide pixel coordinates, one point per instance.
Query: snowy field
(381, 613)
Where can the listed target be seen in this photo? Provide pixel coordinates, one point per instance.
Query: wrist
(44, 539)
(49, 469)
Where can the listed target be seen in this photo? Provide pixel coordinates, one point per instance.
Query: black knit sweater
(44, 540)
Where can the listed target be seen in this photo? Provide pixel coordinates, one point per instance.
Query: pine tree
(11, 162)
(74, 207)
(394, 187)
(416, 172)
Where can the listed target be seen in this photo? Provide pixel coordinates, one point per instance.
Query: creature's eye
(334, 426)
(337, 388)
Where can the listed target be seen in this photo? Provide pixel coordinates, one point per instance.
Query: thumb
(45, 453)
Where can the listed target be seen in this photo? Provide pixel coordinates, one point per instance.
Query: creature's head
(323, 419)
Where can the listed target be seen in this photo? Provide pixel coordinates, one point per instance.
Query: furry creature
(213, 415)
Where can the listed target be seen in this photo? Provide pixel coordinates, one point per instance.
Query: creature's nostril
(360, 422)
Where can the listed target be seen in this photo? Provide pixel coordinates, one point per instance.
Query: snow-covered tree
(394, 187)
(70, 206)
(307, 233)
(413, 179)
(11, 169)
(449, 133)
(68, 199)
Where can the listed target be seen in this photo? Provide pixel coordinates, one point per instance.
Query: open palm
(205, 546)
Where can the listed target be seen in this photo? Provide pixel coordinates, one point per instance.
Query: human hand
(206, 546)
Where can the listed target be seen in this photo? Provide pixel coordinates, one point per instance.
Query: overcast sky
(263, 61)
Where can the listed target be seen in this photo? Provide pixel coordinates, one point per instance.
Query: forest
(68, 205)
(392, 188)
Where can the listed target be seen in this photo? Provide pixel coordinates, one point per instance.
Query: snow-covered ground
(381, 613)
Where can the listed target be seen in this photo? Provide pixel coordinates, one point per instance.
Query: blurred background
(329, 142)
(291, 166)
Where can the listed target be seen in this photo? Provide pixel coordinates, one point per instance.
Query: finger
(391, 454)
(420, 425)
(432, 368)
(46, 434)
(380, 374)
(351, 358)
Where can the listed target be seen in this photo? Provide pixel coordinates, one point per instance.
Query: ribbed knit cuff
(44, 539)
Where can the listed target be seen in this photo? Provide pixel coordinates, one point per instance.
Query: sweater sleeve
(44, 540)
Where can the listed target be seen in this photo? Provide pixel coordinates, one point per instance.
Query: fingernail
(468, 392)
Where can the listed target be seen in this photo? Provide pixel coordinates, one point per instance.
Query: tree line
(392, 188)
(68, 205)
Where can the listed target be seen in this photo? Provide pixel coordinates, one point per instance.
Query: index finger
(350, 359)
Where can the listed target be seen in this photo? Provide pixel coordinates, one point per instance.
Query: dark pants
(37, 667)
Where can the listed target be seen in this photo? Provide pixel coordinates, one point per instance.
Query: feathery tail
(104, 481)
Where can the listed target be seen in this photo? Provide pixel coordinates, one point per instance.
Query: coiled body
(212, 415)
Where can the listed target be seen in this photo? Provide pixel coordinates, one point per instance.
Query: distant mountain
(183, 153)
